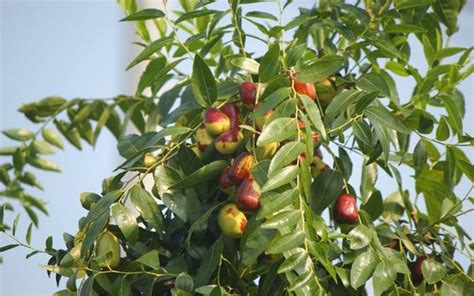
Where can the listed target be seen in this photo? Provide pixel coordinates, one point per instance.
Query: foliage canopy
(167, 227)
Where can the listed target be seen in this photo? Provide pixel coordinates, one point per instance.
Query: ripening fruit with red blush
(225, 184)
(416, 272)
(231, 220)
(248, 196)
(228, 142)
(216, 121)
(315, 137)
(304, 88)
(233, 112)
(248, 93)
(203, 138)
(345, 209)
(241, 168)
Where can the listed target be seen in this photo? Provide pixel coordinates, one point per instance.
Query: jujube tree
(239, 178)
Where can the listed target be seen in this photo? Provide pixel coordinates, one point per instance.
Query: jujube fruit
(203, 138)
(225, 184)
(345, 209)
(248, 195)
(304, 88)
(149, 160)
(248, 93)
(241, 168)
(233, 112)
(108, 243)
(231, 220)
(416, 271)
(228, 142)
(216, 121)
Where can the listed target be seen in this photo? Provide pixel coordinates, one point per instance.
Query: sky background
(79, 49)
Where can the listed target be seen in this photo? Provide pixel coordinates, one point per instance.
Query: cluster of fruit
(222, 128)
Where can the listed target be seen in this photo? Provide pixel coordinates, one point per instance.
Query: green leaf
(277, 130)
(87, 287)
(146, 205)
(42, 147)
(203, 174)
(145, 14)
(420, 157)
(246, 64)
(295, 54)
(294, 261)
(442, 132)
(321, 69)
(8, 247)
(385, 118)
(286, 242)
(184, 282)
(203, 83)
(362, 268)
(126, 222)
(381, 82)
(428, 49)
(92, 232)
(340, 103)
(384, 277)
(326, 190)
(272, 101)
(361, 131)
(53, 137)
(374, 206)
(301, 281)
(396, 68)
(270, 63)
(463, 162)
(447, 12)
(150, 50)
(72, 135)
(432, 270)
(155, 73)
(358, 12)
(151, 259)
(254, 242)
(393, 206)
(260, 14)
(28, 234)
(360, 237)
(282, 219)
(285, 155)
(314, 115)
(275, 201)
(404, 4)
(447, 52)
(403, 28)
(44, 164)
(281, 177)
(181, 205)
(454, 114)
(194, 14)
(209, 264)
(19, 134)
